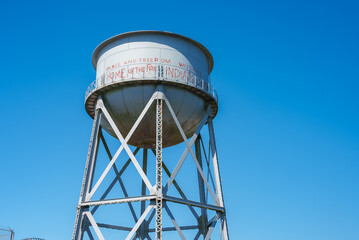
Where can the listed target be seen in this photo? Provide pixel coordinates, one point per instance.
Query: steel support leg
(217, 177)
(143, 231)
(88, 175)
(203, 220)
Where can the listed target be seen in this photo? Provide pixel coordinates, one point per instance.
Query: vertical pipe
(159, 195)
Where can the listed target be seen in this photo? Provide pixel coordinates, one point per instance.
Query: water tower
(152, 93)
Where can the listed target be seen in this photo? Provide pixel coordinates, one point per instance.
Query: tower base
(155, 199)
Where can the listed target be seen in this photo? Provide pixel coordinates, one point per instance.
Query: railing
(162, 72)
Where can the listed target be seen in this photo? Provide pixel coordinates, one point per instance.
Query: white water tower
(153, 91)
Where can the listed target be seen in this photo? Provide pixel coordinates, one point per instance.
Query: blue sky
(287, 129)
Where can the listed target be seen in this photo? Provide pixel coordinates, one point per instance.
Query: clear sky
(287, 130)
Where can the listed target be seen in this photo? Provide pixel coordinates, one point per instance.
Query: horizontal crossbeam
(102, 225)
(128, 229)
(118, 200)
(192, 203)
(167, 229)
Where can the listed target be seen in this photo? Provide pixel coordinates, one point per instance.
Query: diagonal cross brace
(175, 224)
(186, 151)
(123, 145)
(179, 189)
(211, 227)
(119, 177)
(114, 181)
(139, 222)
(189, 147)
(94, 225)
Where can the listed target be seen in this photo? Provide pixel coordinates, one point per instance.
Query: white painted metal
(180, 191)
(190, 150)
(78, 230)
(178, 229)
(119, 177)
(94, 225)
(129, 68)
(86, 201)
(149, 47)
(217, 175)
(186, 151)
(211, 227)
(118, 200)
(108, 190)
(125, 146)
(137, 225)
(140, 104)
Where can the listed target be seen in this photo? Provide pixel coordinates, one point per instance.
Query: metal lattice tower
(161, 122)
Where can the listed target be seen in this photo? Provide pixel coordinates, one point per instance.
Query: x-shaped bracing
(86, 201)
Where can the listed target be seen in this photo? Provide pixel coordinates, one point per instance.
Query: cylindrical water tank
(129, 69)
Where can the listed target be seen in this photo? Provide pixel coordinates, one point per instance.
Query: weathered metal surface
(131, 66)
